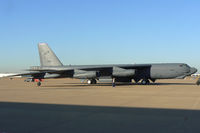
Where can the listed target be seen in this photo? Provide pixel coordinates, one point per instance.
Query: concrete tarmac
(67, 106)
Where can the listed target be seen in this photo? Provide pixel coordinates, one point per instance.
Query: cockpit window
(186, 65)
(183, 65)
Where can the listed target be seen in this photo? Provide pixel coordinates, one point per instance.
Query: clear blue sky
(100, 31)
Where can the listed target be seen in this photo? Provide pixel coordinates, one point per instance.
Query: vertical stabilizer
(47, 56)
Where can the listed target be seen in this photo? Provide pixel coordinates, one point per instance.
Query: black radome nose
(193, 70)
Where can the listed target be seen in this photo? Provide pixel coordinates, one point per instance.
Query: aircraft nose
(193, 70)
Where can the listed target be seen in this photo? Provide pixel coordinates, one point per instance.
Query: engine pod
(81, 74)
(49, 76)
(120, 72)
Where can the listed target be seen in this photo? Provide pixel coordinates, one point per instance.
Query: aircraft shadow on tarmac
(49, 118)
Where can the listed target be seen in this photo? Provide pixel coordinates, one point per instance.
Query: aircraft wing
(44, 74)
(81, 71)
(26, 74)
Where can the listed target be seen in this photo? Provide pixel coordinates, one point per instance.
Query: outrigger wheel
(39, 83)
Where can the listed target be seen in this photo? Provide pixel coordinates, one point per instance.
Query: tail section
(47, 56)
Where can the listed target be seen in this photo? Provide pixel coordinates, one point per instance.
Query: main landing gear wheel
(145, 82)
(92, 81)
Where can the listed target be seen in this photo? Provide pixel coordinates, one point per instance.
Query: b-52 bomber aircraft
(51, 67)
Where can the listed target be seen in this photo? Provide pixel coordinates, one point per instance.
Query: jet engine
(120, 72)
(48, 76)
(81, 74)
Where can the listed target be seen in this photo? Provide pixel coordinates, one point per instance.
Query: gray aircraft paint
(51, 67)
(157, 71)
(47, 56)
(164, 71)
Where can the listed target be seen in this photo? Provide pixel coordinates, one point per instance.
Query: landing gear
(39, 83)
(92, 81)
(153, 80)
(113, 82)
(145, 82)
(136, 80)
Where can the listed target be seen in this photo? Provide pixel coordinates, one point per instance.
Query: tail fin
(47, 56)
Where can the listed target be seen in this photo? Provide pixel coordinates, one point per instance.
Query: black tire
(94, 81)
(39, 83)
(145, 82)
(89, 82)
